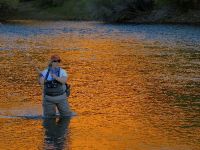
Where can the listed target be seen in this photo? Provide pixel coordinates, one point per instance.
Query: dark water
(135, 87)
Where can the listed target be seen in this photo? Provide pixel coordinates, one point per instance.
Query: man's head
(54, 61)
(55, 58)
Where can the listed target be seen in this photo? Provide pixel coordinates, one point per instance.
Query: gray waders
(50, 103)
(55, 97)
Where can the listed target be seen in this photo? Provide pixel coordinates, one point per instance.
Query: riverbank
(159, 15)
(168, 15)
(31, 11)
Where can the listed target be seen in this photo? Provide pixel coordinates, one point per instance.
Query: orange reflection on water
(116, 93)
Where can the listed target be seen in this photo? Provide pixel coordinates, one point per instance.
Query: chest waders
(54, 97)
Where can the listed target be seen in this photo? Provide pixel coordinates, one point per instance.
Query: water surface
(134, 87)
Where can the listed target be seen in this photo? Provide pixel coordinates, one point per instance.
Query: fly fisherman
(53, 81)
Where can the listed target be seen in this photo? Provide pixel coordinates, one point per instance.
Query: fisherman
(53, 81)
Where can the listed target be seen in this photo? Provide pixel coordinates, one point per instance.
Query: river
(134, 87)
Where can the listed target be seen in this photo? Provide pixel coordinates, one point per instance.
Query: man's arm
(62, 79)
(41, 81)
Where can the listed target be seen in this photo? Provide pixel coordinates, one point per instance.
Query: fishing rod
(28, 57)
(32, 63)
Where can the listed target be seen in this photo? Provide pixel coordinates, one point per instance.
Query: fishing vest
(53, 87)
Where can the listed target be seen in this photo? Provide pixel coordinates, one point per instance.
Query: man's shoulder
(61, 69)
(44, 72)
(63, 72)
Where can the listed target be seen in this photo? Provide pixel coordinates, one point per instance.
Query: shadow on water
(56, 133)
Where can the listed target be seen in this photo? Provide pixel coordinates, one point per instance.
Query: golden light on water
(119, 92)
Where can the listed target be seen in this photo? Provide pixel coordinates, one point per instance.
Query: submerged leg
(49, 109)
(63, 108)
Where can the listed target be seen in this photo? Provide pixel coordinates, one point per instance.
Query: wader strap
(59, 72)
(45, 79)
(47, 74)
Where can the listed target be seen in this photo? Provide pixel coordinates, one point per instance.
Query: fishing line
(28, 57)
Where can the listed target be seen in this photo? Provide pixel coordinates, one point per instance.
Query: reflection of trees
(56, 132)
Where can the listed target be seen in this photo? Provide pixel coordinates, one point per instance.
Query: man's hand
(60, 79)
(54, 76)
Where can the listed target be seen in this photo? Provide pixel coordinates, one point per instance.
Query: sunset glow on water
(128, 93)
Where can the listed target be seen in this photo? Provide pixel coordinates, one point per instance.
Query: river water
(134, 87)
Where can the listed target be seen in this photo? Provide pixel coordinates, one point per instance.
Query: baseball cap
(55, 57)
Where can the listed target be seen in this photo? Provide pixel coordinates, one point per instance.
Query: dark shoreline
(157, 14)
(22, 21)
(165, 15)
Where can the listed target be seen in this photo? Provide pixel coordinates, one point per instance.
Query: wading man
(53, 81)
